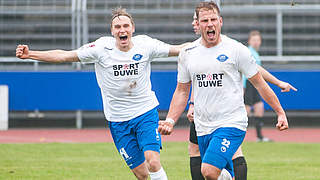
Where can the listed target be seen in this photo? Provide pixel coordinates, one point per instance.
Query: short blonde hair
(119, 11)
(207, 6)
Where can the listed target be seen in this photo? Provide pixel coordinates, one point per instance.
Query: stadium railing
(290, 33)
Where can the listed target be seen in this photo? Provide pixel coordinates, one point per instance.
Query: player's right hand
(286, 87)
(190, 113)
(165, 128)
(22, 51)
(282, 122)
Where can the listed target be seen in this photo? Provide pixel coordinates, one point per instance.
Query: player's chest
(123, 65)
(202, 62)
(110, 56)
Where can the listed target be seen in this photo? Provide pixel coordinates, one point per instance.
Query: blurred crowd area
(290, 31)
(289, 28)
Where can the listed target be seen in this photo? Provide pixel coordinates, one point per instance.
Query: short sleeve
(88, 53)
(183, 72)
(158, 49)
(246, 63)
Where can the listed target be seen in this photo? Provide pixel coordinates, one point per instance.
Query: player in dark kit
(252, 99)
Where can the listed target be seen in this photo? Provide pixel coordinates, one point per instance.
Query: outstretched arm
(175, 49)
(284, 86)
(54, 56)
(269, 96)
(177, 106)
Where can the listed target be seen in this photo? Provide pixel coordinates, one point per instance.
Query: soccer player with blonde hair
(123, 68)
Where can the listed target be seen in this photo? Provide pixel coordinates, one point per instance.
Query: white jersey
(216, 75)
(223, 38)
(124, 77)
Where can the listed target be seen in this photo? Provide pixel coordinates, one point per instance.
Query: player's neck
(124, 48)
(210, 44)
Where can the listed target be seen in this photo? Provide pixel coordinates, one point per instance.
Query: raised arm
(175, 49)
(284, 86)
(177, 106)
(53, 56)
(269, 96)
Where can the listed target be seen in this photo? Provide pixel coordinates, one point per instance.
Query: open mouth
(211, 33)
(123, 37)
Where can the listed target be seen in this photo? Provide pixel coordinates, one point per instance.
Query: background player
(211, 24)
(239, 162)
(252, 98)
(122, 65)
(251, 95)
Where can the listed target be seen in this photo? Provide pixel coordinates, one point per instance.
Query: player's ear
(133, 28)
(111, 31)
(221, 20)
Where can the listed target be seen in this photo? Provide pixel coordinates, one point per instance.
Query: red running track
(300, 135)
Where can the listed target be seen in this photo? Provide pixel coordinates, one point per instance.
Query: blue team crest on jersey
(222, 58)
(137, 57)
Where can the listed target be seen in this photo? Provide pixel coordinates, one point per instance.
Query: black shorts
(193, 134)
(251, 95)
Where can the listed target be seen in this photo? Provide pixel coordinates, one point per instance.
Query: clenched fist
(22, 51)
(165, 128)
(282, 123)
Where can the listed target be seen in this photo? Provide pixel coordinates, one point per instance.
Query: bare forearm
(54, 56)
(175, 49)
(192, 98)
(269, 96)
(177, 107)
(178, 103)
(268, 76)
(267, 93)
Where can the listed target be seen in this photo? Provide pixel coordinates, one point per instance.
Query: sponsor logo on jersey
(92, 45)
(188, 49)
(137, 57)
(125, 69)
(106, 48)
(210, 80)
(222, 58)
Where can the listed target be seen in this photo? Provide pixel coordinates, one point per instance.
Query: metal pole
(78, 29)
(74, 27)
(73, 24)
(218, 3)
(36, 66)
(85, 31)
(279, 33)
(79, 119)
(78, 24)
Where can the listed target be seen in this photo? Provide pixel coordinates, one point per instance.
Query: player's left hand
(190, 114)
(286, 87)
(165, 128)
(282, 122)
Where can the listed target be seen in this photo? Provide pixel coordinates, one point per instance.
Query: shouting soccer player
(239, 162)
(122, 65)
(214, 66)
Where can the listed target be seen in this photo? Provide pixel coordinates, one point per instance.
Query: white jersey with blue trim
(216, 75)
(124, 77)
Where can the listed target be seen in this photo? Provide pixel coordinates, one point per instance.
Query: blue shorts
(132, 138)
(218, 147)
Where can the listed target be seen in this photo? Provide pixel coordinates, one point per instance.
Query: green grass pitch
(266, 161)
